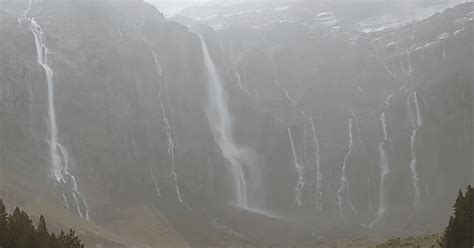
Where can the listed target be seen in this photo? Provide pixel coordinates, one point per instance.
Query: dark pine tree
(459, 233)
(21, 232)
(3, 224)
(42, 234)
(17, 231)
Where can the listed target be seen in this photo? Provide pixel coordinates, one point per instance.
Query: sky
(172, 7)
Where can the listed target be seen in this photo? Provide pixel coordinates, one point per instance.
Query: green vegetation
(460, 231)
(426, 241)
(17, 231)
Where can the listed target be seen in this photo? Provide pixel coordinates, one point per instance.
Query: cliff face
(106, 93)
(131, 100)
(324, 69)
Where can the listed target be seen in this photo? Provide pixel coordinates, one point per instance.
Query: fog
(239, 123)
(174, 7)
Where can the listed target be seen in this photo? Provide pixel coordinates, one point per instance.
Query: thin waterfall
(66, 202)
(27, 10)
(278, 83)
(299, 171)
(166, 121)
(416, 124)
(78, 198)
(169, 137)
(58, 153)
(377, 53)
(318, 199)
(239, 80)
(383, 164)
(357, 125)
(417, 107)
(157, 188)
(369, 194)
(410, 66)
(344, 186)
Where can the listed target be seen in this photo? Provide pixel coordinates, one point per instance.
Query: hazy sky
(170, 7)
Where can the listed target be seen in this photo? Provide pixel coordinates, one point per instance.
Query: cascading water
(168, 127)
(299, 170)
(221, 127)
(377, 53)
(383, 164)
(344, 186)
(27, 10)
(357, 125)
(318, 199)
(416, 124)
(157, 189)
(277, 81)
(239, 80)
(417, 107)
(169, 136)
(58, 153)
(410, 66)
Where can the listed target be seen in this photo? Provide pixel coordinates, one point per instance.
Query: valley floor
(425, 241)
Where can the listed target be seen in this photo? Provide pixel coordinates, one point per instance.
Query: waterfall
(157, 189)
(299, 170)
(413, 163)
(417, 107)
(58, 153)
(239, 80)
(169, 137)
(377, 53)
(410, 67)
(383, 164)
(318, 200)
(278, 84)
(344, 186)
(27, 10)
(221, 126)
(357, 125)
(167, 124)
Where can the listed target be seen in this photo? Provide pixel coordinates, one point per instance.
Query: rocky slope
(127, 81)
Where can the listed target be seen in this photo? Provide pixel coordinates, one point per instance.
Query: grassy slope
(426, 241)
(140, 227)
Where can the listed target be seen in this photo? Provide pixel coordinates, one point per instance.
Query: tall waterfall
(168, 127)
(383, 164)
(58, 153)
(169, 136)
(299, 170)
(221, 126)
(416, 124)
(318, 200)
(344, 186)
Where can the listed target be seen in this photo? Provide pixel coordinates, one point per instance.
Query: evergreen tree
(469, 198)
(3, 224)
(459, 233)
(42, 234)
(17, 231)
(21, 232)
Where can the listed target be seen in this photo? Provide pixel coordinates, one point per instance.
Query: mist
(237, 123)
